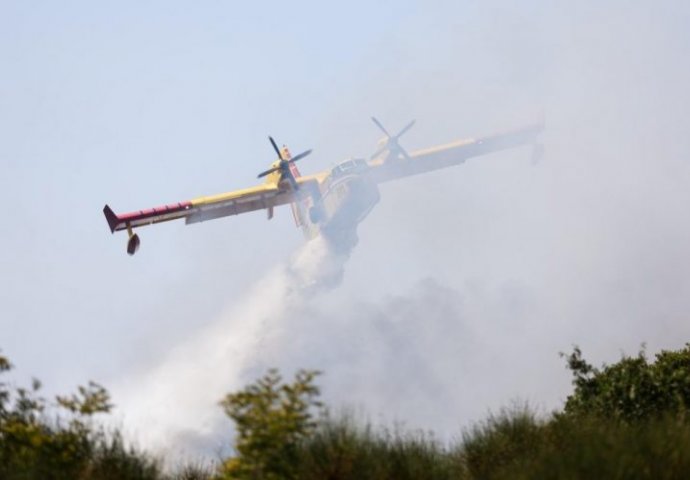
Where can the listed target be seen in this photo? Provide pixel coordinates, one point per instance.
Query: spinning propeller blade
(300, 156)
(378, 124)
(391, 143)
(275, 147)
(284, 165)
(267, 172)
(407, 127)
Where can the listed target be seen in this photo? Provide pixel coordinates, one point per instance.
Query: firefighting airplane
(329, 203)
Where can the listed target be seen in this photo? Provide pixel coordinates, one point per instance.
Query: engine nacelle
(133, 244)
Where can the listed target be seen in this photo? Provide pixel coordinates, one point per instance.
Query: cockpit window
(354, 165)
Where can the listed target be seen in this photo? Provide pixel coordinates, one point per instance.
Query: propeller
(284, 165)
(391, 144)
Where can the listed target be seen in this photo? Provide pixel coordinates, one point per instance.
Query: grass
(515, 444)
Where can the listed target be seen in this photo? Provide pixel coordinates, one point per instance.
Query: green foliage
(518, 446)
(91, 400)
(514, 444)
(632, 389)
(271, 418)
(341, 449)
(597, 448)
(5, 366)
(502, 442)
(34, 445)
(622, 421)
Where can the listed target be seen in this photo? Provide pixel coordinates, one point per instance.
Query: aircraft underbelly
(348, 205)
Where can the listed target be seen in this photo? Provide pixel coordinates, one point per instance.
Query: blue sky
(141, 103)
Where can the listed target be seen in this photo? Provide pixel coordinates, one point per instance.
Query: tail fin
(111, 218)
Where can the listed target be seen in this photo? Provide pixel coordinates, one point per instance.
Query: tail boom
(145, 217)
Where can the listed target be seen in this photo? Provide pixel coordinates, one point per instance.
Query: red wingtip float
(329, 203)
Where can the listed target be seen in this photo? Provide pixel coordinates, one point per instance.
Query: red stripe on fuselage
(152, 212)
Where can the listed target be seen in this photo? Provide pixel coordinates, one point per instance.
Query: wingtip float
(330, 203)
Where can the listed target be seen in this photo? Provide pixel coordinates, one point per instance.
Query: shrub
(68, 445)
(632, 389)
(271, 418)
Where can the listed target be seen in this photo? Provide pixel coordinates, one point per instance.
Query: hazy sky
(466, 283)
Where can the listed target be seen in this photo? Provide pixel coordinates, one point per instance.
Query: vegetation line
(627, 420)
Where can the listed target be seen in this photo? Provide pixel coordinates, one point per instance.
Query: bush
(68, 445)
(632, 389)
(271, 418)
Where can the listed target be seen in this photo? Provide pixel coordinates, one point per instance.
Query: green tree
(632, 389)
(271, 419)
(67, 444)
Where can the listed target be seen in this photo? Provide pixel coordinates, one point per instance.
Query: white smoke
(173, 407)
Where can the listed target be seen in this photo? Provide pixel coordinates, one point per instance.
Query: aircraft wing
(455, 153)
(205, 208)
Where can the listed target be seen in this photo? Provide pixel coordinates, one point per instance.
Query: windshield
(354, 165)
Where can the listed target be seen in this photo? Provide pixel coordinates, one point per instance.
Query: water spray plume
(174, 406)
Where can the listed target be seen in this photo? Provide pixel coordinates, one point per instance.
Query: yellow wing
(239, 201)
(209, 207)
(455, 153)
